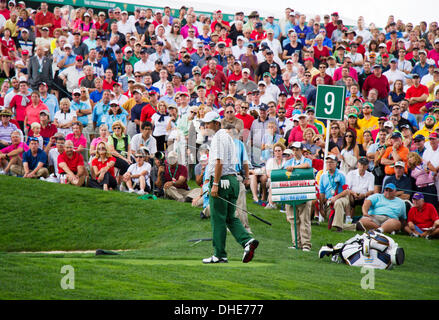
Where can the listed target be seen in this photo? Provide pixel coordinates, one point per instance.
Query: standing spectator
(424, 179)
(377, 81)
(44, 18)
(417, 96)
(40, 69)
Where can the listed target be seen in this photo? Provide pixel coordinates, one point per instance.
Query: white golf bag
(372, 249)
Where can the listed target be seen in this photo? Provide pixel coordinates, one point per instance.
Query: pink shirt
(13, 147)
(81, 141)
(296, 133)
(33, 113)
(433, 54)
(352, 72)
(96, 141)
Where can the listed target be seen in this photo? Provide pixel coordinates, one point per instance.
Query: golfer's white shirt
(222, 147)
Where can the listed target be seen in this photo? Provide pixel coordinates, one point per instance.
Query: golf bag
(372, 249)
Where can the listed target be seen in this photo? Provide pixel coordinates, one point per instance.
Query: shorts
(379, 219)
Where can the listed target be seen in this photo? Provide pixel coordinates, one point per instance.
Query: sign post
(330, 105)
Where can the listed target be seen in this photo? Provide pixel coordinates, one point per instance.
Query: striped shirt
(222, 147)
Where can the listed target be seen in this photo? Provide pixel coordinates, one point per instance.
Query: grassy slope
(164, 265)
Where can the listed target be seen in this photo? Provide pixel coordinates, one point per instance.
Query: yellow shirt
(425, 132)
(131, 103)
(368, 125)
(12, 26)
(431, 95)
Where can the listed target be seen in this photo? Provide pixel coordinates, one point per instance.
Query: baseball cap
(211, 116)
(288, 152)
(331, 157)
(376, 66)
(262, 83)
(76, 91)
(263, 107)
(114, 102)
(363, 160)
(433, 135)
(390, 186)
(399, 164)
(352, 115)
(388, 124)
(177, 74)
(297, 144)
(246, 70)
(45, 111)
(79, 58)
(419, 137)
(396, 135)
(266, 74)
(209, 76)
(418, 196)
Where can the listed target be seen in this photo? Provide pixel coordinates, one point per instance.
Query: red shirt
(147, 112)
(175, 173)
(424, 218)
(290, 104)
(247, 119)
(327, 79)
(212, 26)
(218, 77)
(414, 92)
(296, 133)
(107, 85)
(46, 132)
(20, 111)
(6, 45)
(41, 19)
(381, 84)
(99, 164)
(6, 13)
(258, 35)
(73, 163)
(321, 53)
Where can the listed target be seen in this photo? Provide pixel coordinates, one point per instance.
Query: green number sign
(330, 102)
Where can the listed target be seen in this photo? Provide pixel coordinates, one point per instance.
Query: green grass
(162, 264)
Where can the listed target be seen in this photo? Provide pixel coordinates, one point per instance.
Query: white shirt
(63, 118)
(360, 184)
(73, 75)
(404, 65)
(274, 45)
(136, 169)
(223, 148)
(367, 36)
(237, 51)
(127, 27)
(356, 58)
(141, 66)
(164, 57)
(432, 156)
(150, 144)
(161, 86)
(392, 76)
(426, 79)
(53, 159)
(159, 127)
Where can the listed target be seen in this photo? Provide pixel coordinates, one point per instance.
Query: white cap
(68, 45)
(247, 70)
(86, 14)
(296, 117)
(297, 145)
(262, 82)
(388, 124)
(173, 154)
(211, 116)
(241, 38)
(114, 102)
(22, 79)
(77, 90)
(127, 49)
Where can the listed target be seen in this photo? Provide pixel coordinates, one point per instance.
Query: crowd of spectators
(116, 100)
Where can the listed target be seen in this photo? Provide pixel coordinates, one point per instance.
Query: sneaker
(306, 249)
(282, 211)
(348, 220)
(202, 216)
(122, 187)
(140, 192)
(129, 190)
(2, 172)
(270, 206)
(249, 250)
(214, 259)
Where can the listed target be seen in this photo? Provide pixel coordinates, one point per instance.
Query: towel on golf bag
(372, 249)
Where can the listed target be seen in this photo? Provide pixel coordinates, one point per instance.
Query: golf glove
(225, 184)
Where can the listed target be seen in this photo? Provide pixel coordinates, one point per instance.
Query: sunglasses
(116, 128)
(281, 112)
(349, 136)
(244, 108)
(138, 157)
(388, 189)
(335, 128)
(318, 139)
(102, 149)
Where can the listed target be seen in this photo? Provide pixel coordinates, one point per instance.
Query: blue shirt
(185, 69)
(329, 184)
(304, 31)
(421, 71)
(96, 96)
(294, 162)
(52, 103)
(111, 118)
(241, 153)
(70, 59)
(32, 161)
(100, 113)
(275, 27)
(80, 106)
(394, 209)
(288, 26)
(168, 100)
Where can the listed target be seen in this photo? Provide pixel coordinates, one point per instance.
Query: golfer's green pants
(222, 216)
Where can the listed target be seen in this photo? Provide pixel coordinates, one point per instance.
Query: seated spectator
(65, 117)
(12, 155)
(103, 136)
(137, 176)
(102, 169)
(274, 162)
(172, 177)
(395, 152)
(6, 128)
(53, 155)
(361, 185)
(383, 211)
(36, 128)
(422, 219)
(71, 166)
(120, 146)
(116, 114)
(424, 178)
(268, 141)
(48, 129)
(400, 180)
(78, 138)
(34, 161)
(334, 194)
(144, 140)
(350, 152)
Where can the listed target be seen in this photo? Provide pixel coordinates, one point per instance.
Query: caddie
(303, 211)
(224, 190)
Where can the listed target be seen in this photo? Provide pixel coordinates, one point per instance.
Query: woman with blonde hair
(103, 169)
(308, 140)
(199, 125)
(424, 178)
(275, 162)
(103, 136)
(160, 121)
(65, 117)
(120, 146)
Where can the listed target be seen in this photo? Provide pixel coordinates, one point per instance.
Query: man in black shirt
(118, 65)
(265, 66)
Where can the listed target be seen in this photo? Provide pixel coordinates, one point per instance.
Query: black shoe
(202, 216)
(249, 250)
(337, 229)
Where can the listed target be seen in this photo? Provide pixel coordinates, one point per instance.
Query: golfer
(224, 184)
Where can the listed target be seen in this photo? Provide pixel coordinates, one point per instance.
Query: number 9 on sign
(329, 102)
